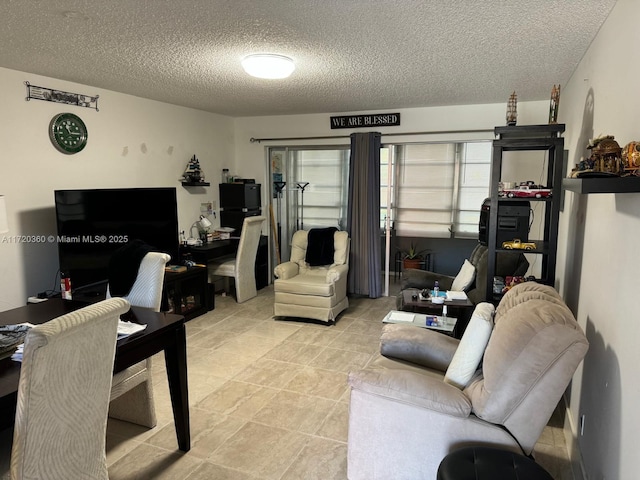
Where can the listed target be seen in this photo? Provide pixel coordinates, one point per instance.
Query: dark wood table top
(128, 350)
(426, 304)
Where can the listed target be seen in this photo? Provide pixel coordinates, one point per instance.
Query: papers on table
(453, 295)
(124, 330)
(127, 328)
(395, 316)
(11, 340)
(17, 355)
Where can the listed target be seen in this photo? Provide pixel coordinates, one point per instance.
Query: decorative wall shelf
(196, 184)
(602, 185)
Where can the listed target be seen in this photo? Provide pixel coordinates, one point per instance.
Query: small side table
(425, 264)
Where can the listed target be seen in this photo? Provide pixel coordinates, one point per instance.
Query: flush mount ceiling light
(268, 65)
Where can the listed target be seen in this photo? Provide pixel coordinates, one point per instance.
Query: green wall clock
(68, 133)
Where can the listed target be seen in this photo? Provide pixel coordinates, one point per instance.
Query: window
(434, 189)
(439, 188)
(323, 202)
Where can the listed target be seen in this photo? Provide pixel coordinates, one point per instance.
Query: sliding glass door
(309, 190)
(428, 189)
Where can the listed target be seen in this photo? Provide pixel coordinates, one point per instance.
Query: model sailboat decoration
(512, 109)
(193, 172)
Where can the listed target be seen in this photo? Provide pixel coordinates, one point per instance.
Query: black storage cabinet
(238, 201)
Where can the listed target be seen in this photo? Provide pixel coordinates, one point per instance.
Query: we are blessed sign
(372, 120)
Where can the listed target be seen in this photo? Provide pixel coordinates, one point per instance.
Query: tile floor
(269, 399)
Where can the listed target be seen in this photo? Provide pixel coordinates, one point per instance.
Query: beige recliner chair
(404, 417)
(316, 292)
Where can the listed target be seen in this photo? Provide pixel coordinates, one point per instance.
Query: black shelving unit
(528, 138)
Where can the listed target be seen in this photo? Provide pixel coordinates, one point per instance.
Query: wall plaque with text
(361, 121)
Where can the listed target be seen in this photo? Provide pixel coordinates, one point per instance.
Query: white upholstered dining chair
(132, 390)
(63, 395)
(241, 266)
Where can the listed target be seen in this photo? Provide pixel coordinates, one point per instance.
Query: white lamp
(268, 65)
(4, 223)
(203, 223)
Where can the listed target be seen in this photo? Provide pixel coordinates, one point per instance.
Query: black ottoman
(485, 463)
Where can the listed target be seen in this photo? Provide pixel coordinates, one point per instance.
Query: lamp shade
(4, 223)
(268, 65)
(204, 222)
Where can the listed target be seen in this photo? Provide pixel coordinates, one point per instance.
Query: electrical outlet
(582, 419)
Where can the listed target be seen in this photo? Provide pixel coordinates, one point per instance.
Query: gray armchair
(508, 264)
(405, 417)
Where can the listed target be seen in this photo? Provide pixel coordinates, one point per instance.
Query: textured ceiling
(351, 55)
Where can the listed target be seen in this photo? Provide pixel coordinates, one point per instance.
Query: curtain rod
(325, 137)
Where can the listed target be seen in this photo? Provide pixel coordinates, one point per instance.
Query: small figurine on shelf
(553, 106)
(193, 172)
(512, 109)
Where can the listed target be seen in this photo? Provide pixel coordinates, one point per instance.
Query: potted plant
(412, 257)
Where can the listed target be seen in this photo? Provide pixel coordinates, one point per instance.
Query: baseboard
(570, 431)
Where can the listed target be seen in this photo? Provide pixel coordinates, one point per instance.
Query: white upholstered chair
(63, 395)
(132, 390)
(316, 292)
(241, 266)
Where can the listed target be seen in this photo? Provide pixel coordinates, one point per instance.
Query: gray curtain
(363, 216)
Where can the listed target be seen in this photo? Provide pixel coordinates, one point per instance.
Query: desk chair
(63, 395)
(132, 390)
(241, 267)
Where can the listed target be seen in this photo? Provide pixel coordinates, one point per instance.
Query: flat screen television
(92, 224)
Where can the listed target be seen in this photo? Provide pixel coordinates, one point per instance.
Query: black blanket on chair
(320, 246)
(124, 265)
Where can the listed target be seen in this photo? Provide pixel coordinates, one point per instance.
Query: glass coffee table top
(432, 322)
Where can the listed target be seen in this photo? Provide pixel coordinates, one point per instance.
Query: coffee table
(444, 325)
(460, 309)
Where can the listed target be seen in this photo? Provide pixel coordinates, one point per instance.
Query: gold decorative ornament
(512, 109)
(631, 156)
(606, 155)
(553, 106)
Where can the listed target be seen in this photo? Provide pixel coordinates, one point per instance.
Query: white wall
(251, 157)
(598, 259)
(132, 142)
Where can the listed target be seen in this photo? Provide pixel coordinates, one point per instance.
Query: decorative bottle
(65, 286)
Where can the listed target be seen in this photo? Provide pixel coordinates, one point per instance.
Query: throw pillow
(471, 348)
(465, 277)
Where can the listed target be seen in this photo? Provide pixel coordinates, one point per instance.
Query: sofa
(406, 413)
(507, 264)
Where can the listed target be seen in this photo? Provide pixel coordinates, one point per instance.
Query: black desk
(218, 248)
(203, 254)
(164, 332)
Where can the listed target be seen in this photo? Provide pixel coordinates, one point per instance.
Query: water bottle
(445, 320)
(225, 175)
(436, 289)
